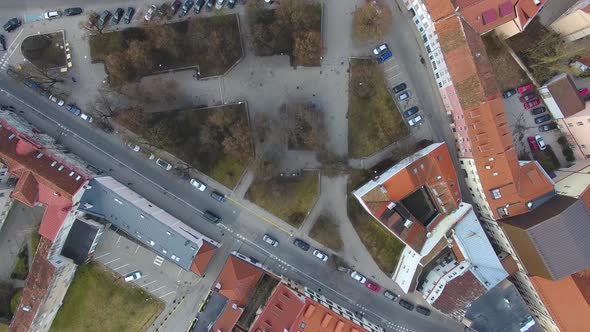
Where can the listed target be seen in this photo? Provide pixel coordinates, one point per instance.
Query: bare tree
(104, 105)
(45, 77)
(372, 20)
(93, 25)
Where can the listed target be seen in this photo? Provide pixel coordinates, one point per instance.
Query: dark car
(301, 244)
(104, 18)
(406, 304)
(218, 196)
(129, 15)
(73, 11)
(163, 9)
(118, 15)
(399, 88)
(538, 110)
(508, 93)
(212, 217)
(3, 42)
(175, 5)
(188, 4)
(390, 295)
(12, 24)
(411, 111)
(210, 5)
(73, 109)
(231, 3)
(199, 5)
(423, 311)
(542, 118)
(383, 57)
(548, 127)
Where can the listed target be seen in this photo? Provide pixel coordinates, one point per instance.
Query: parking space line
(390, 68)
(167, 294)
(149, 283)
(136, 249)
(157, 289)
(115, 269)
(119, 239)
(101, 256)
(390, 77)
(114, 260)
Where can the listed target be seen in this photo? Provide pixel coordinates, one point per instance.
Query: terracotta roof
(237, 279)
(526, 10)
(36, 288)
(439, 9)
(458, 294)
(228, 318)
(281, 311)
(566, 300)
(202, 258)
(484, 15)
(564, 92)
(317, 318)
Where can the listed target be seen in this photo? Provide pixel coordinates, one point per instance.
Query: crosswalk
(4, 61)
(158, 260)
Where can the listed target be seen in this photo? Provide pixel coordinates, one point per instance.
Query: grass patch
(287, 198)
(21, 268)
(15, 300)
(35, 238)
(381, 244)
(45, 51)
(547, 159)
(507, 72)
(97, 300)
(3, 327)
(212, 43)
(215, 141)
(374, 121)
(6, 294)
(326, 231)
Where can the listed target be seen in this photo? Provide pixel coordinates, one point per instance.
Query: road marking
(149, 283)
(115, 269)
(114, 260)
(119, 239)
(136, 249)
(14, 41)
(157, 289)
(167, 294)
(390, 68)
(101, 256)
(158, 260)
(260, 217)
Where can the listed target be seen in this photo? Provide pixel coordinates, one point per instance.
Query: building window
(570, 124)
(583, 146)
(496, 193)
(580, 123)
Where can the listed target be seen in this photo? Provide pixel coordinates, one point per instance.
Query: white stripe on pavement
(114, 260)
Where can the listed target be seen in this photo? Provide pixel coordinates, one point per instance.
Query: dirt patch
(326, 231)
(507, 72)
(45, 51)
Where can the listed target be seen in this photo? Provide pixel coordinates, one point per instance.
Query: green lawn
(374, 121)
(15, 300)
(35, 238)
(381, 244)
(97, 300)
(21, 268)
(45, 51)
(326, 231)
(289, 199)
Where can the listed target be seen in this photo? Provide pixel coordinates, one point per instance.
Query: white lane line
(115, 269)
(119, 239)
(390, 68)
(149, 283)
(98, 257)
(157, 289)
(136, 249)
(114, 260)
(167, 294)
(14, 41)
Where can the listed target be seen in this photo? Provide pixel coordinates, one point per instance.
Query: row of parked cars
(530, 101)
(72, 108)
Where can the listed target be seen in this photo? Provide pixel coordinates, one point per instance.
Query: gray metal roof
(554, 9)
(142, 220)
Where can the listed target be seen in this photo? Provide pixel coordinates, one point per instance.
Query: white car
(86, 117)
(541, 142)
(380, 49)
(150, 13)
(198, 184)
(56, 100)
(404, 96)
(320, 255)
(50, 15)
(133, 146)
(133, 276)
(219, 4)
(266, 238)
(358, 277)
(164, 164)
(415, 120)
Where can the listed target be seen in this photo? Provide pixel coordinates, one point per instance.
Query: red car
(528, 97)
(583, 92)
(373, 286)
(524, 88)
(532, 103)
(533, 143)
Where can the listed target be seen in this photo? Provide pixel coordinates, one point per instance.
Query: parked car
(270, 240)
(129, 15)
(133, 146)
(133, 276)
(524, 88)
(198, 184)
(163, 9)
(538, 110)
(528, 97)
(533, 143)
(164, 164)
(3, 42)
(390, 295)
(56, 100)
(231, 4)
(175, 6)
(12, 24)
(358, 277)
(86, 117)
(188, 4)
(210, 5)
(548, 127)
(373, 286)
(320, 255)
(405, 95)
(542, 118)
(399, 88)
(118, 15)
(72, 11)
(411, 111)
(150, 13)
(50, 15)
(218, 196)
(406, 304)
(383, 57)
(422, 310)
(583, 92)
(73, 109)
(541, 142)
(416, 120)
(104, 18)
(219, 4)
(199, 5)
(301, 244)
(508, 93)
(212, 217)
(380, 49)
(532, 103)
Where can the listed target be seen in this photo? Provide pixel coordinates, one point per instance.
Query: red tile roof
(280, 312)
(458, 294)
(228, 319)
(237, 280)
(486, 15)
(202, 258)
(318, 318)
(526, 10)
(36, 288)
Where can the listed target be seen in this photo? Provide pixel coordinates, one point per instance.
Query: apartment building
(7, 183)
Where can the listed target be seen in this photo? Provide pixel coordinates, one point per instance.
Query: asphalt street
(180, 199)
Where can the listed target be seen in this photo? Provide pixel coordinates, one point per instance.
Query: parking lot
(163, 279)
